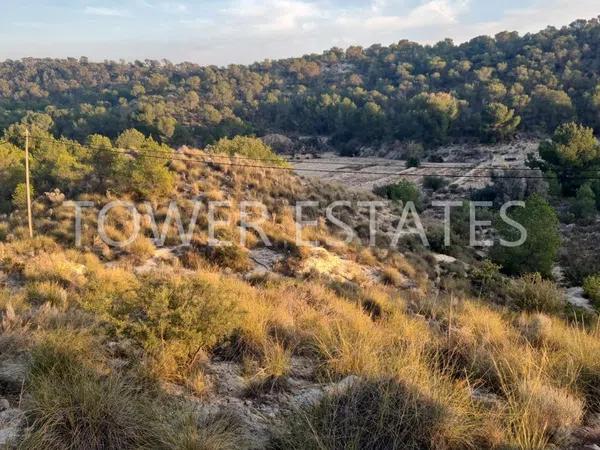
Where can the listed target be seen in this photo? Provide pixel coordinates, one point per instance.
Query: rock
(10, 425)
(55, 197)
(4, 404)
(12, 376)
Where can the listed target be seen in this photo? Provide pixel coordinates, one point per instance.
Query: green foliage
(498, 122)
(12, 173)
(584, 204)
(181, 315)
(540, 250)
(434, 183)
(130, 139)
(533, 293)
(431, 93)
(591, 287)
(433, 115)
(403, 191)
(19, 196)
(550, 107)
(250, 148)
(573, 154)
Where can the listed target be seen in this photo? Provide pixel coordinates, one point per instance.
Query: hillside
(248, 346)
(486, 89)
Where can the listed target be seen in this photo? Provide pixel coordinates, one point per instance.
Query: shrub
(532, 293)
(591, 286)
(248, 147)
(19, 197)
(540, 249)
(232, 256)
(372, 415)
(176, 319)
(392, 277)
(434, 183)
(403, 191)
(141, 249)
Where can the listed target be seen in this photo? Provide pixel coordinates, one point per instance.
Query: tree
(130, 139)
(248, 147)
(573, 154)
(108, 164)
(550, 107)
(19, 196)
(540, 249)
(584, 205)
(147, 176)
(12, 172)
(433, 115)
(498, 122)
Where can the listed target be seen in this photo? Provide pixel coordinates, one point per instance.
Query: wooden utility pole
(27, 185)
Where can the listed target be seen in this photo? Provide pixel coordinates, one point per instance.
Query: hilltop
(485, 90)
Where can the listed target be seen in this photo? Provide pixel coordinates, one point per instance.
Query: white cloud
(105, 12)
(531, 18)
(272, 15)
(429, 14)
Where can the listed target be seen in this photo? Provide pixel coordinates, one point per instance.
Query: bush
(434, 183)
(383, 414)
(591, 286)
(532, 293)
(403, 191)
(19, 197)
(176, 318)
(249, 147)
(540, 249)
(232, 256)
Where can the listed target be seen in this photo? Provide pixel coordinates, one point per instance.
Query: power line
(292, 169)
(300, 161)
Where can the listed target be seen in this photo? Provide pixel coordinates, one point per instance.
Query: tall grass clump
(72, 406)
(533, 293)
(378, 414)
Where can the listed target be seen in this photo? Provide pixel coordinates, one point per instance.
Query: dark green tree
(540, 250)
(498, 122)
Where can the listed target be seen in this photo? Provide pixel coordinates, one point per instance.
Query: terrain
(250, 346)
(144, 306)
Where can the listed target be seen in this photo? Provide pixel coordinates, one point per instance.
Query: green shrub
(249, 147)
(19, 196)
(403, 191)
(174, 318)
(434, 183)
(591, 286)
(533, 293)
(539, 251)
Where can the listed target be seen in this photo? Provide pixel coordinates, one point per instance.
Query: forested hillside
(485, 89)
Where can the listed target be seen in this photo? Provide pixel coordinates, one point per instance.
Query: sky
(223, 32)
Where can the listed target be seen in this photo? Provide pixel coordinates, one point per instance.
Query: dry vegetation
(119, 357)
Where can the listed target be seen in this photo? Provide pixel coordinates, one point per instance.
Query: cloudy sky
(243, 31)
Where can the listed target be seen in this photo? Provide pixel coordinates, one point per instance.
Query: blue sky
(244, 31)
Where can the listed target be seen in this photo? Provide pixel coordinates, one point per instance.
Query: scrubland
(198, 349)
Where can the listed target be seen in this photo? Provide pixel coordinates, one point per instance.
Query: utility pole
(29, 216)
